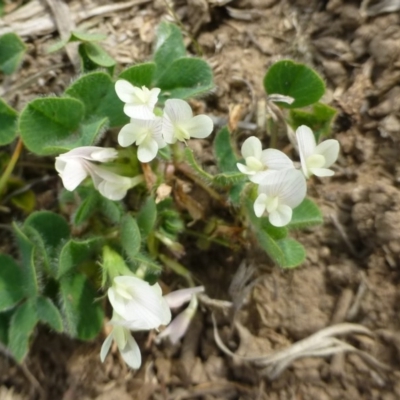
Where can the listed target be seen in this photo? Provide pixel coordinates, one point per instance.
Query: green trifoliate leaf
(26, 249)
(12, 49)
(295, 80)
(5, 318)
(305, 215)
(276, 233)
(319, 119)
(235, 193)
(130, 236)
(293, 252)
(147, 216)
(77, 36)
(8, 123)
(83, 36)
(94, 57)
(224, 153)
(49, 123)
(96, 91)
(52, 227)
(74, 252)
(139, 75)
(112, 210)
(11, 283)
(285, 252)
(22, 325)
(48, 313)
(82, 316)
(184, 78)
(87, 207)
(48, 231)
(169, 46)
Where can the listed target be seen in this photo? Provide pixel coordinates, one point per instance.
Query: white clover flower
(127, 345)
(179, 325)
(139, 102)
(179, 123)
(76, 165)
(146, 134)
(260, 163)
(279, 194)
(316, 159)
(140, 305)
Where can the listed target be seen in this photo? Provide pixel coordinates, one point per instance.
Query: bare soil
(352, 269)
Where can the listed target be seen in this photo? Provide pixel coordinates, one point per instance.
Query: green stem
(10, 167)
(178, 268)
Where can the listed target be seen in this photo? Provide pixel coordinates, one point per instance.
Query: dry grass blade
(33, 19)
(321, 344)
(380, 7)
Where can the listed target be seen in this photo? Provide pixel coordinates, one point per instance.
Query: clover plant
(109, 245)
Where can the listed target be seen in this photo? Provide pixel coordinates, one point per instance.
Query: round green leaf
(98, 55)
(96, 91)
(83, 317)
(11, 282)
(139, 75)
(295, 80)
(22, 324)
(8, 123)
(184, 78)
(169, 46)
(130, 236)
(87, 36)
(50, 122)
(12, 49)
(48, 313)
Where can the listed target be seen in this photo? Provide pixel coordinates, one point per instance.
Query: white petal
(60, 165)
(125, 91)
(153, 97)
(147, 151)
(330, 150)
(81, 152)
(168, 130)
(262, 178)
(322, 172)
(178, 327)
(127, 135)
(244, 169)
(252, 147)
(146, 309)
(293, 189)
(289, 185)
(306, 142)
(131, 353)
(114, 191)
(260, 204)
(139, 111)
(281, 216)
(276, 160)
(199, 127)
(178, 110)
(179, 297)
(73, 174)
(105, 154)
(105, 348)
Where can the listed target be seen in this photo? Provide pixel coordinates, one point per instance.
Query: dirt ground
(352, 269)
